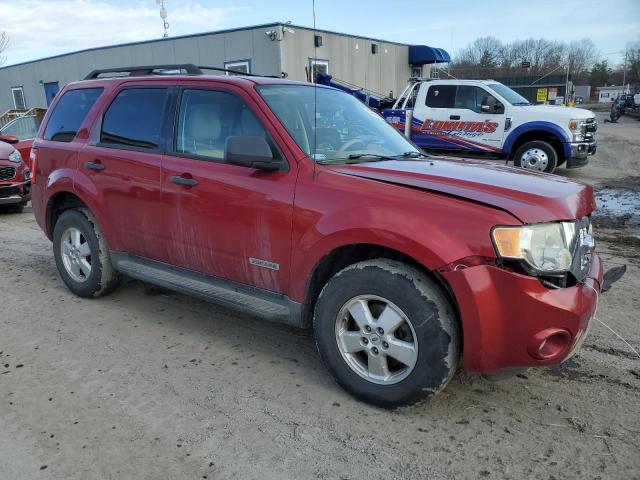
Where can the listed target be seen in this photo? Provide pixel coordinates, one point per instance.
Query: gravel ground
(148, 384)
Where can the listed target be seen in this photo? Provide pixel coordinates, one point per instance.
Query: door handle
(179, 180)
(454, 117)
(95, 166)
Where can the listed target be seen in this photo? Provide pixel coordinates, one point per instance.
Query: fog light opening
(550, 344)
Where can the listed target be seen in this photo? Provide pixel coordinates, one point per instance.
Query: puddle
(618, 208)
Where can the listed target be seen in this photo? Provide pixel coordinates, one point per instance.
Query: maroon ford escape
(298, 204)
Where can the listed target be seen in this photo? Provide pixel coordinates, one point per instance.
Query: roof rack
(148, 70)
(142, 71)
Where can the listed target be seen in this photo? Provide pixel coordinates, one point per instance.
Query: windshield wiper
(412, 154)
(523, 104)
(356, 158)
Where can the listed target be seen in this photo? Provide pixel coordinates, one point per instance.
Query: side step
(255, 301)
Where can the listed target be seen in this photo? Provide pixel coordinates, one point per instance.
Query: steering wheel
(343, 149)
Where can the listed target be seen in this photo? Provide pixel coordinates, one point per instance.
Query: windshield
(514, 98)
(344, 128)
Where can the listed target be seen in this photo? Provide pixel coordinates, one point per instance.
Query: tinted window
(208, 117)
(134, 118)
(69, 113)
(441, 96)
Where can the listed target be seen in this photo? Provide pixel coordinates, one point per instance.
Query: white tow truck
(488, 119)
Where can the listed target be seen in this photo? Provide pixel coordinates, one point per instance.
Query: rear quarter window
(69, 113)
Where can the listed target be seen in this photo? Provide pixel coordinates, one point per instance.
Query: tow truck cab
(487, 118)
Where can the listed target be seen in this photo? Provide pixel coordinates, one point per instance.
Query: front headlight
(544, 247)
(15, 157)
(578, 129)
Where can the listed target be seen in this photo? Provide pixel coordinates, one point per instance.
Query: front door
(459, 117)
(226, 220)
(51, 89)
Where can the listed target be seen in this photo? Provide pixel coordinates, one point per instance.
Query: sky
(42, 28)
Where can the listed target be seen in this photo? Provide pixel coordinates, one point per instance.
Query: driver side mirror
(494, 108)
(250, 151)
(9, 139)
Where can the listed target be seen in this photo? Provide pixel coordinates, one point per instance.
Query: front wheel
(536, 155)
(387, 333)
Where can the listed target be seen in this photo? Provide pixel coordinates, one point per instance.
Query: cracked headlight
(544, 247)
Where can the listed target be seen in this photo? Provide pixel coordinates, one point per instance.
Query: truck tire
(387, 333)
(536, 155)
(82, 256)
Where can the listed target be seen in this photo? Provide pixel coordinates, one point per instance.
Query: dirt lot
(149, 384)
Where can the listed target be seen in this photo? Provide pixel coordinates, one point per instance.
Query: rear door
(460, 117)
(226, 220)
(123, 161)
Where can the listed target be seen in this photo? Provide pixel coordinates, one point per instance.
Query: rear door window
(134, 119)
(69, 114)
(441, 96)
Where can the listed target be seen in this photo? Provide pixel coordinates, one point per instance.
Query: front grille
(6, 192)
(592, 125)
(7, 173)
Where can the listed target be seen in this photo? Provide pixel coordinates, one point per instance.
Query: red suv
(297, 203)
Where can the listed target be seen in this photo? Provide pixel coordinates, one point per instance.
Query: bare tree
(632, 62)
(4, 44)
(484, 52)
(581, 55)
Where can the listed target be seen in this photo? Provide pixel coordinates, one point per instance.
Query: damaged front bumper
(511, 320)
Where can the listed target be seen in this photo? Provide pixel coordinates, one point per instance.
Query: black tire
(547, 148)
(430, 314)
(103, 278)
(19, 208)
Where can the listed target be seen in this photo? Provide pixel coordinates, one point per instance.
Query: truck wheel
(536, 155)
(82, 256)
(387, 333)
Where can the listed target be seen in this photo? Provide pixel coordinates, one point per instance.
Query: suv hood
(531, 197)
(558, 111)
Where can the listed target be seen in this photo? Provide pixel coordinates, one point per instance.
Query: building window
(240, 66)
(318, 66)
(18, 98)
(416, 72)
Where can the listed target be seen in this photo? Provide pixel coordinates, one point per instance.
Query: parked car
(15, 187)
(299, 204)
(25, 129)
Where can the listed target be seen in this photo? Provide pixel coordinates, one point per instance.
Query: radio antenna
(314, 79)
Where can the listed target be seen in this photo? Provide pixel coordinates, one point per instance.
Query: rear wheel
(536, 155)
(387, 333)
(81, 254)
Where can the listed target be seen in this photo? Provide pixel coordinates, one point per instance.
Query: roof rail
(145, 70)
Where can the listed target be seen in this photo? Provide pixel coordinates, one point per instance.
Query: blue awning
(421, 54)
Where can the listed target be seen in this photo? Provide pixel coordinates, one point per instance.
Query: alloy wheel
(376, 339)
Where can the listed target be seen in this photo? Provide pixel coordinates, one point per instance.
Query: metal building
(273, 49)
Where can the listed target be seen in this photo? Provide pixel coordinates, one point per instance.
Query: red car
(24, 129)
(404, 265)
(15, 185)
